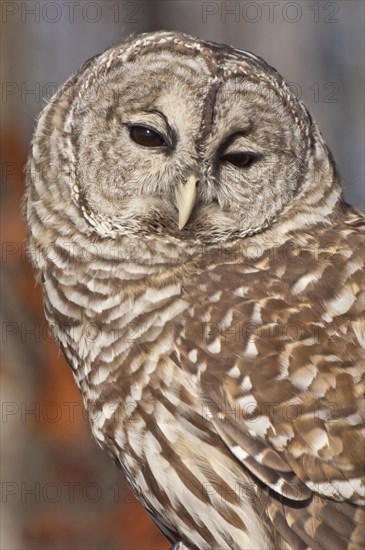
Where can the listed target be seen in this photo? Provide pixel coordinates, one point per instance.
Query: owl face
(188, 142)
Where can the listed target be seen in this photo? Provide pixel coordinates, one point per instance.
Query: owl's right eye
(146, 136)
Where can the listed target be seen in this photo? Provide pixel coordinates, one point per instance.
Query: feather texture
(221, 363)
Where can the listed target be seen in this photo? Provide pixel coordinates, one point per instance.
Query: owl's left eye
(241, 160)
(146, 136)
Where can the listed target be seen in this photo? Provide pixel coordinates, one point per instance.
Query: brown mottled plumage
(205, 281)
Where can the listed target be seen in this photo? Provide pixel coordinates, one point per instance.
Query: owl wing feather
(281, 371)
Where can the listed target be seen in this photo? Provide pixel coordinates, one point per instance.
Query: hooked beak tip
(185, 197)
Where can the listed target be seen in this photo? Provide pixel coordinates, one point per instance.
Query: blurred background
(58, 490)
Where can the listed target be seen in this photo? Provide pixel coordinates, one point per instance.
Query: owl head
(170, 135)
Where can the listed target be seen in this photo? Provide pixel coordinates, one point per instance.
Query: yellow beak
(185, 196)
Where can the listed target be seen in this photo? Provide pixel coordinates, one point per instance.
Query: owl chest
(121, 347)
(113, 331)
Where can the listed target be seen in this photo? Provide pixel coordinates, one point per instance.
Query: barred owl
(203, 276)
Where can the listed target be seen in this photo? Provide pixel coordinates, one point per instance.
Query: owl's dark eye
(241, 160)
(146, 137)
